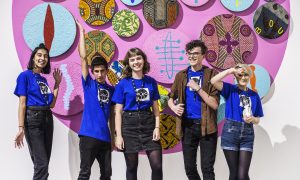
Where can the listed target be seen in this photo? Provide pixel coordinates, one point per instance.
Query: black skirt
(137, 131)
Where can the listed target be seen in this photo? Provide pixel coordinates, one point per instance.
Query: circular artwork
(160, 13)
(229, 40)
(131, 2)
(271, 20)
(260, 82)
(194, 3)
(168, 137)
(114, 74)
(126, 23)
(98, 42)
(237, 5)
(166, 49)
(96, 12)
(163, 101)
(70, 97)
(51, 24)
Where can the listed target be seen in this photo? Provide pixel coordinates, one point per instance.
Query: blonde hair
(244, 67)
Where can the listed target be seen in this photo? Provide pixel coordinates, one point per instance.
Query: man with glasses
(195, 102)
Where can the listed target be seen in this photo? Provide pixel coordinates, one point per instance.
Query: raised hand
(57, 75)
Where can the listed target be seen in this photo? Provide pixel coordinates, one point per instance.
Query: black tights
(155, 159)
(238, 163)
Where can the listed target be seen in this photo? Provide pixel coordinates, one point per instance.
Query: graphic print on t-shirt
(142, 94)
(103, 95)
(44, 88)
(245, 103)
(198, 80)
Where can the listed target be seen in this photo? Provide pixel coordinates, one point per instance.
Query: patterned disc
(98, 42)
(237, 5)
(229, 40)
(163, 101)
(96, 12)
(131, 2)
(195, 3)
(168, 137)
(126, 23)
(166, 49)
(271, 20)
(114, 74)
(51, 24)
(160, 13)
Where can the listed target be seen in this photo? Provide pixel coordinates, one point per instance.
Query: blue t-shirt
(97, 105)
(35, 87)
(240, 102)
(147, 92)
(192, 98)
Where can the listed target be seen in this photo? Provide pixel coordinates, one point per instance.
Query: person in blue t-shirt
(35, 116)
(137, 127)
(243, 109)
(96, 136)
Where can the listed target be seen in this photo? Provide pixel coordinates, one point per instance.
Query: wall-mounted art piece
(70, 97)
(166, 51)
(163, 101)
(131, 2)
(271, 20)
(168, 137)
(99, 43)
(126, 23)
(195, 3)
(115, 71)
(51, 24)
(96, 12)
(237, 5)
(260, 81)
(160, 13)
(229, 40)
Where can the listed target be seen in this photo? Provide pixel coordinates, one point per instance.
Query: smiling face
(41, 59)
(136, 63)
(244, 74)
(195, 56)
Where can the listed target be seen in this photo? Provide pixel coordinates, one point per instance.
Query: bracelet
(21, 126)
(198, 89)
(156, 127)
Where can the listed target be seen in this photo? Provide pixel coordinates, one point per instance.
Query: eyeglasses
(193, 53)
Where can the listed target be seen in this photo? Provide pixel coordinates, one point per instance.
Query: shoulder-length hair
(135, 52)
(30, 66)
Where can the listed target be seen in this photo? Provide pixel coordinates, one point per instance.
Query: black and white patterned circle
(103, 95)
(142, 94)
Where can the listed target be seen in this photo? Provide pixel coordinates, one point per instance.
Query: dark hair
(135, 52)
(30, 66)
(98, 60)
(196, 43)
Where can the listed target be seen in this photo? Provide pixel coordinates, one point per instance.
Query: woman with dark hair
(243, 110)
(35, 116)
(137, 126)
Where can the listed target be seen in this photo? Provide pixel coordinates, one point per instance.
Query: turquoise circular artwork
(51, 24)
(131, 2)
(237, 5)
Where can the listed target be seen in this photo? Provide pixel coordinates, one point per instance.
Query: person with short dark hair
(35, 116)
(137, 126)
(97, 126)
(243, 110)
(195, 102)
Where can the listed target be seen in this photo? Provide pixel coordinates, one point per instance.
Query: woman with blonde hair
(243, 109)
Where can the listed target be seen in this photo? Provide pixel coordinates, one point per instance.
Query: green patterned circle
(125, 23)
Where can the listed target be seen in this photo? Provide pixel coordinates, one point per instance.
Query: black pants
(208, 144)
(91, 149)
(39, 135)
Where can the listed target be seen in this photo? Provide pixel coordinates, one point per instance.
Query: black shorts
(137, 132)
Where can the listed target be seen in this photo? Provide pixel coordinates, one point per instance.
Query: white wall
(277, 148)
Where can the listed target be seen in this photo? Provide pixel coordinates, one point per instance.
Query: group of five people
(127, 117)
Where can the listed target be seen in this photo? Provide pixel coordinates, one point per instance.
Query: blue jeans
(191, 139)
(237, 136)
